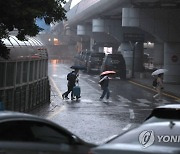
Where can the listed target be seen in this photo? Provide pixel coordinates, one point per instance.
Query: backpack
(154, 84)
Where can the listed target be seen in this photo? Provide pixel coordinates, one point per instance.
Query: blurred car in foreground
(153, 138)
(164, 113)
(25, 133)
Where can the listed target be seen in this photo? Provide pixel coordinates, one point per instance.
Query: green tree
(21, 15)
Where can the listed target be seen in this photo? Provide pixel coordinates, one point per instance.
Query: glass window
(9, 100)
(40, 70)
(32, 131)
(18, 73)
(31, 71)
(35, 71)
(2, 70)
(25, 71)
(46, 67)
(43, 68)
(10, 74)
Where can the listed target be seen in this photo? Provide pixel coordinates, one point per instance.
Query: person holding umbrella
(72, 79)
(104, 82)
(159, 87)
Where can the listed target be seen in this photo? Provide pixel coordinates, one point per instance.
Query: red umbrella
(107, 72)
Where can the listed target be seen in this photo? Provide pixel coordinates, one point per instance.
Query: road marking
(91, 81)
(56, 88)
(144, 101)
(174, 97)
(60, 109)
(142, 104)
(161, 102)
(96, 77)
(131, 111)
(122, 99)
(127, 127)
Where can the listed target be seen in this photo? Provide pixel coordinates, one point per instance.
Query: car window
(29, 131)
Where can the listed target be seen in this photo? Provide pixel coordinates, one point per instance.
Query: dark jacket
(72, 78)
(104, 82)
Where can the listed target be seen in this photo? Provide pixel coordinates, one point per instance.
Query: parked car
(95, 61)
(77, 59)
(114, 62)
(25, 133)
(153, 138)
(164, 113)
(85, 58)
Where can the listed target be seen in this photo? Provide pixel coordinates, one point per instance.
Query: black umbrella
(78, 67)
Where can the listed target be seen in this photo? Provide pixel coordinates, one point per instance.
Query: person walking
(159, 87)
(104, 82)
(72, 79)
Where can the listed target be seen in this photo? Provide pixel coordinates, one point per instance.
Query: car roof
(169, 106)
(13, 116)
(134, 148)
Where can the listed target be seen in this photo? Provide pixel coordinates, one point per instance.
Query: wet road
(94, 120)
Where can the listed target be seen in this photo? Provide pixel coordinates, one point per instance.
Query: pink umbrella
(107, 72)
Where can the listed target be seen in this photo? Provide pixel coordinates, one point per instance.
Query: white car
(150, 138)
(160, 133)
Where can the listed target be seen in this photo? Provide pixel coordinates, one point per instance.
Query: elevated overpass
(127, 26)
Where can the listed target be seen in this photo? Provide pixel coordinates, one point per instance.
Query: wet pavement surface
(94, 120)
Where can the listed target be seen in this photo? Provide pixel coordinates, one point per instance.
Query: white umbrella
(159, 71)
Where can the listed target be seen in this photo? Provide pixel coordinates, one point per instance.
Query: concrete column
(162, 23)
(138, 59)
(101, 49)
(91, 43)
(127, 52)
(158, 55)
(172, 62)
(98, 25)
(68, 31)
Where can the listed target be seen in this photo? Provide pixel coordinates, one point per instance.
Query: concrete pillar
(98, 25)
(101, 49)
(158, 55)
(68, 31)
(92, 42)
(126, 50)
(138, 59)
(162, 23)
(172, 62)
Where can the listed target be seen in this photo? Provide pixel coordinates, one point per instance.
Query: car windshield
(31, 131)
(166, 113)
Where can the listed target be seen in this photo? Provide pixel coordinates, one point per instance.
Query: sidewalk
(172, 89)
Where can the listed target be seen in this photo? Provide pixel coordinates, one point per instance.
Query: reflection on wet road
(94, 120)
